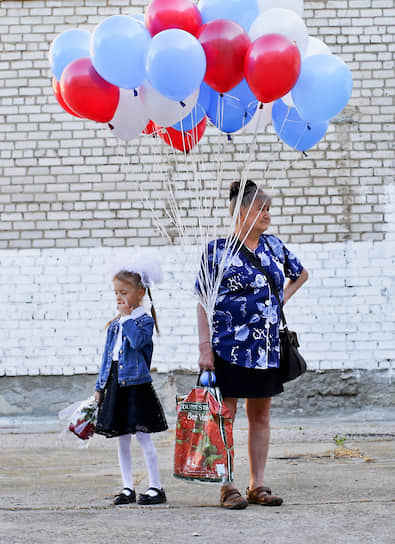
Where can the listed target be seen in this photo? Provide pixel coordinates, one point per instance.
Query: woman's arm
(292, 286)
(206, 356)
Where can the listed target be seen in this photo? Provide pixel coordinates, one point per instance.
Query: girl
(127, 401)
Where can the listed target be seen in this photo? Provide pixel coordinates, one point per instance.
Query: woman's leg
(258, 413)
(125, 460)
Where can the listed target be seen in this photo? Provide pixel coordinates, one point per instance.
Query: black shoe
(156, 499)
(123, 498)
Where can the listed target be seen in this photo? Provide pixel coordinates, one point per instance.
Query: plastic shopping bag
(82, 418)
(204, 438)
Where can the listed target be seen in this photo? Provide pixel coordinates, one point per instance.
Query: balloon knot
(135, 92)
(110, 126)
(182, 103)
(308, 127)
(229, 138)
(304, 153)
(261, 106)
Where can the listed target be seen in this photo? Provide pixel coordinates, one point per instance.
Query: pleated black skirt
(239, 382)
(126, 410)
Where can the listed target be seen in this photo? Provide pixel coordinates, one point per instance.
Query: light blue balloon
(198, 112)
(68, 46)
(231, 111)
(323, 89)
(176, 63)
(293, 130)
(243, 12)
(118, 51)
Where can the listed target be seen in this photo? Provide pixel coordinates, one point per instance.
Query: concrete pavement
(336, 475)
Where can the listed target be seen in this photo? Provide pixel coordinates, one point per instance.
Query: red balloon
(183, 140)
(150, 128)
(59, 97)
(163, 14)
(87, 93)
(225, 44)
(272, 67)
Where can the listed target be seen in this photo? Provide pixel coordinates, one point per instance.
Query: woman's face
(255, 218)
(128, 293)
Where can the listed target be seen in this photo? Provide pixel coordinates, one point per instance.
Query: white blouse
(136, 312)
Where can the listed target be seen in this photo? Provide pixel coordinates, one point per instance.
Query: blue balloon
(231, 111)
(323, 89)
(293, 130)
(207, 378)
(243, 12)
(198, 112)
(176, 63)
(68, 46)
(118, 51)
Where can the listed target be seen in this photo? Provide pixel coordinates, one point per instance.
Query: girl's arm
(206, 355)
(292, 286)
(138, 336)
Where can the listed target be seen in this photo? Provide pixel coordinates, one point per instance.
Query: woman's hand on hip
(206, 356)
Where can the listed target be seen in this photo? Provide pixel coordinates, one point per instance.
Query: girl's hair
(135, 279)
(251, 193)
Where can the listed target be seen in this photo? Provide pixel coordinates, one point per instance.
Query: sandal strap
(259, 491)
(229, 493)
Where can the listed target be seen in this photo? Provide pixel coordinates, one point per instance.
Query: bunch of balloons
(179, 64)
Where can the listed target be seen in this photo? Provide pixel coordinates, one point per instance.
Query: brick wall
(70, 193)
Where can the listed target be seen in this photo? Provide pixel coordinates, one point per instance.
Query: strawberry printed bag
(204, 438)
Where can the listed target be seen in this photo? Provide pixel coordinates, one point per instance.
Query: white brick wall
(70, 195)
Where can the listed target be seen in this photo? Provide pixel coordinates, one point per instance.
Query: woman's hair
(251, 193)
(135, 279)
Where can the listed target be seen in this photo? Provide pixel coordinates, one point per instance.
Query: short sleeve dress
(246, 318)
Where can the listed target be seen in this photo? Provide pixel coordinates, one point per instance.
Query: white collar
(137, 312)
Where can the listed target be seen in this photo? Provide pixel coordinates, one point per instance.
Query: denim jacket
(134, 356)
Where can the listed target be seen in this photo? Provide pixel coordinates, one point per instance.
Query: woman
(244, 346)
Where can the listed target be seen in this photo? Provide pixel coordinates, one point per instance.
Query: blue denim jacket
(135, 354)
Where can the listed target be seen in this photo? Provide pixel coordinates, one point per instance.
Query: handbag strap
(257, 263)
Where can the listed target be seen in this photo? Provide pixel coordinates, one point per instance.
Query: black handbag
(292, 364)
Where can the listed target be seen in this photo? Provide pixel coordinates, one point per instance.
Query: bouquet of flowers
(82, 418)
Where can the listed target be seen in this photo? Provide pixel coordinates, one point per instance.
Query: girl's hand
(99, 397)
(206, 356)
(124, 308)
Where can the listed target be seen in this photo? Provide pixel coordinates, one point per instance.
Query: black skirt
(239, 382)
(126, 410)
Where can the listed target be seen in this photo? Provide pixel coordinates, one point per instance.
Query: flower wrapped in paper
(82, 418)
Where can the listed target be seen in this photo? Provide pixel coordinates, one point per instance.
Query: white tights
(150, 455)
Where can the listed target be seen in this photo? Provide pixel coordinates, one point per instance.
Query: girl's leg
(151, 459)
(125, 460)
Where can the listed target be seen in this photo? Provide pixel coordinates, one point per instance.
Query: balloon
(323, 89)
(281, 21)
(292, 130)
(207, 378)
(272, 66)
(68, 46)
(88, 94)
(233, 110)
(59, 97)
(139, 17)
(163, 111)
(164, 14)
(292, 5)
(261, 118)
(243, 12)
(225, 44)
(183, 140)
(118, 50)
(130, 118)
(198, 112)
(150, 128)
(316, 47)
(176, 63)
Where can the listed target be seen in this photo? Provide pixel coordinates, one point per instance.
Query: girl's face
(127, 293)
(257, 218)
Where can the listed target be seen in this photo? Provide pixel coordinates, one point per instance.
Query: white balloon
(162, 110)
(316, 47)
(130, 117)
(261, 118)
(293, 5)
(281, 21)
(287, 99)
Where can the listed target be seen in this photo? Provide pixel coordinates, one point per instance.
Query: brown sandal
(232, 499)
(263, 496)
